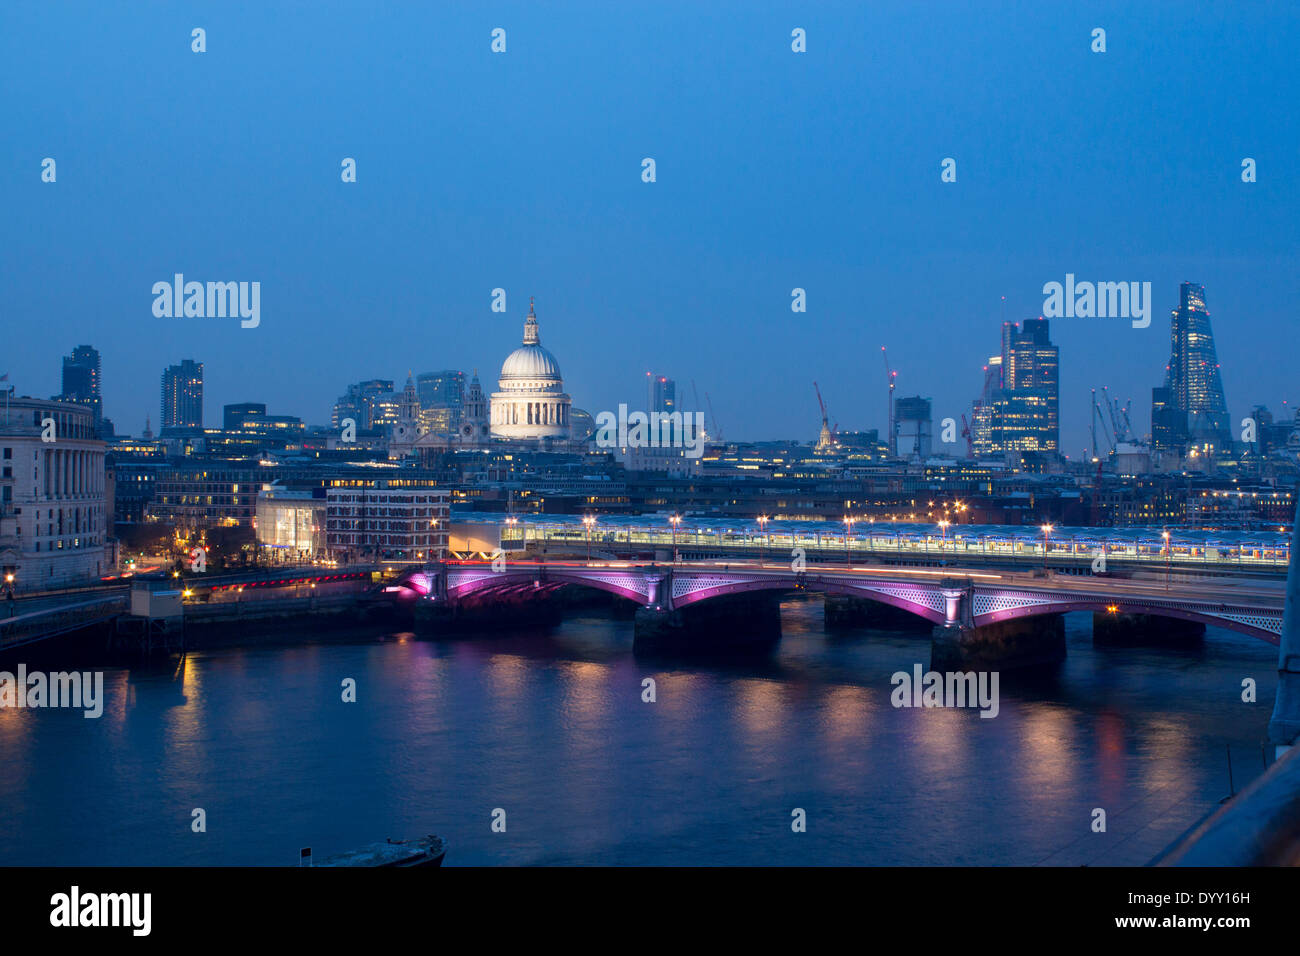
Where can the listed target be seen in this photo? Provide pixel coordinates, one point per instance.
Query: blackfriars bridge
(978, 615)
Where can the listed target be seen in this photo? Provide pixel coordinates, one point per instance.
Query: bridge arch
(679, 588)
(1209, 615)
(924, 603)
(463, 584)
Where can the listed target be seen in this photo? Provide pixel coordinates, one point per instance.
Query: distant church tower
(474, 428)
(407, 428)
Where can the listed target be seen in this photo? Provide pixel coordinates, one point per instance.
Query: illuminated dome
(531, 403)
(530, 363)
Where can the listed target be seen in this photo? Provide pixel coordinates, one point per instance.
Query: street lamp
(675, 520)
(433, 523)
(943, 526)
(1169, 558)
(848, 530)
(762, 527)
(1047, 531)
(589, 520)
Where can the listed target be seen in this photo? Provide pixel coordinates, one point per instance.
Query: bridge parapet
(952, 599)
(49, 622)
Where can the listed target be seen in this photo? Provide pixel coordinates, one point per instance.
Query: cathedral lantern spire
(530, 326)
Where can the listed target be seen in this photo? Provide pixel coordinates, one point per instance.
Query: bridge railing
(1259, 827)
(1258, 555)
(24, 628)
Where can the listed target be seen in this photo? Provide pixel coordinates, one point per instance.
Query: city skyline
(421, 419)
(1027, 370)
(691, 274)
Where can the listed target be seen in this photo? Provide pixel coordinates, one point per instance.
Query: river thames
(550, 727)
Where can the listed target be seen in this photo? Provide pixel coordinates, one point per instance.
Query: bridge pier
(1127, 630)
(845, 611)
(958, 644)
(1004, 645)
(436, 613)
(750, 622)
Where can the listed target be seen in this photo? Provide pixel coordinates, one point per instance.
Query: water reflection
(551, 726)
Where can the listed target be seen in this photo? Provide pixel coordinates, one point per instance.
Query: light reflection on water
(550, 726)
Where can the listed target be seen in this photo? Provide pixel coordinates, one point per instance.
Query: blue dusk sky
(522, 170)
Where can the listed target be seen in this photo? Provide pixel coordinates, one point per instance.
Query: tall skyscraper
(1168, 423)
(81, 379)
(1195, 388)
(182, 395)
(663, 395)
(1033, 373)
(1019, 409)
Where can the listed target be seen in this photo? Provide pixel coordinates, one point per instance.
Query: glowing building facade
(531, 403)
(1192, 410)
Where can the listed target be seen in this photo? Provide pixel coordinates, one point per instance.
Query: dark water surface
(550, 726)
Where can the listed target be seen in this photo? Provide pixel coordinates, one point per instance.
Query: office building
(182, 395)
(1194, 405)
(81, 379)
(385, 519)
(663, 394)
(55, 498)
(250, 418)
(370, 404)
(912, 417)
(1019, 407)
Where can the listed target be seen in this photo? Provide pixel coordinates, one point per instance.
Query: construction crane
(695, 393)
(1097, 416)
(965, 433)
(890, 376)
(714, 418)
(1119, 417)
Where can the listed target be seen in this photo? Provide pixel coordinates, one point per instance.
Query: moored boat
(405, 853)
